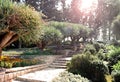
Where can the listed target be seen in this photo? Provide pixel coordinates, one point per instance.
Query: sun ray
(88, 5)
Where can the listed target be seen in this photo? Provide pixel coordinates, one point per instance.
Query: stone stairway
(46, 75)
(60, 63)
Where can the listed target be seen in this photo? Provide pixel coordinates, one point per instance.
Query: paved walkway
(45, 75)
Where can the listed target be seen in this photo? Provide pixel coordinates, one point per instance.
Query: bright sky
(86, 5)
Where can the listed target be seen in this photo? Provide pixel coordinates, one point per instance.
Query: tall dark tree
(48, 7)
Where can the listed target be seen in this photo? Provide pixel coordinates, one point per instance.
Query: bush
(90, 48)
(50, 35)
(116, 66)
(101, 55)
(116, 75)
(69, 77)
(9, 62)
(88, 66)
(99, 70)
(116, 72)
(26, 62)
(114, 56)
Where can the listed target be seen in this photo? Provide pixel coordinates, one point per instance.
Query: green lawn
(27, 51)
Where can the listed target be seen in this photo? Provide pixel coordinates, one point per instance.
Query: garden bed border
(9, 74)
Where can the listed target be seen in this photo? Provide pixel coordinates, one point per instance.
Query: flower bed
(11, 61)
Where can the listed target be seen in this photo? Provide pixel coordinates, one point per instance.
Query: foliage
(102, 55)
(116, 75)
(100, 69)
(116, 66)
(89, 48)
(31, 21)
(74, 31)
(88, 66)
(26, 62)
(114, 56)
(18, 20)
(69, 77)
(9, 62)
(27, 51)
(51, 35)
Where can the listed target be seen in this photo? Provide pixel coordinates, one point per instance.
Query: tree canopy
(18, 20)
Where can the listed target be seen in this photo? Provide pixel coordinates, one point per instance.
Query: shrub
(116, 66)
(5, 64)
(9, 62)
(116, 75)
(78, 63)
(26, 62)
(114, 56)
(69, 77)
(97, 46)
(116, 72)
(90, 48)
(50, 35)
(101, 55)
(88, 66)
(99, 70)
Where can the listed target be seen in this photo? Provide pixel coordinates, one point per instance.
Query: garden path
(45, 75)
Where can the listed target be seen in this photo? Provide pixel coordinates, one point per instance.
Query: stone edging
(12, 73)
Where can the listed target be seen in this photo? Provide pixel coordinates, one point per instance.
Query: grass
(27, 51)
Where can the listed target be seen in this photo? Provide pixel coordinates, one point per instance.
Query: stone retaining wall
(9, 74)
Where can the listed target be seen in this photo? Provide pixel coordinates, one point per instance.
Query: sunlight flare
(88, 5)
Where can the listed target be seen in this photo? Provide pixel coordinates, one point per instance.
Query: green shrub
(5, 64)
(116, 75)
(69, 77)
(116, 66)
(26, 62)
(114, 56)
(90, 48)
(101, 55)
(88, 66)
(50, 35)
(79, 64)
(99, 70)
(97, 46)
(17, 64)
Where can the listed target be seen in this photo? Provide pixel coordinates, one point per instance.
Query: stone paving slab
(45, 75)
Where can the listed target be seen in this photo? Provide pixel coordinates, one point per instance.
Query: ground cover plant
(12, 61)
(69, 77)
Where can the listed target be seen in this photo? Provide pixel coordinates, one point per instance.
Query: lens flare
(88, 5)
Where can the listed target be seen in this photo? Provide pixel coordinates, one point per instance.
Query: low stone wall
(9, 74)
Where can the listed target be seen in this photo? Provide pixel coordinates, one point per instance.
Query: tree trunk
(7, 39)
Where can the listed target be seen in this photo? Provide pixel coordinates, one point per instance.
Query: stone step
(60, 61)
(45, 75)
(60, 64)
(16, 81)
(55, 66)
